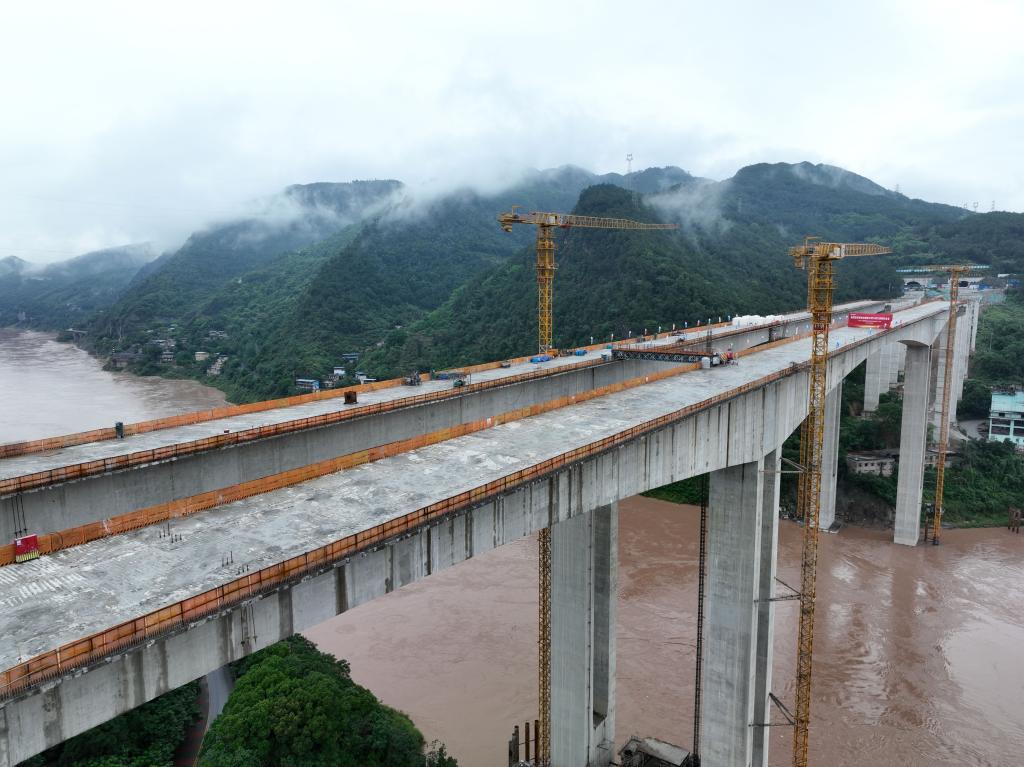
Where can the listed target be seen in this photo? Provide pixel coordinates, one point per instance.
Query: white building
(1006, 419)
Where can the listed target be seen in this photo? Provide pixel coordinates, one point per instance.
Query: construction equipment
(817, 258)
(955, 272)
(546, 223)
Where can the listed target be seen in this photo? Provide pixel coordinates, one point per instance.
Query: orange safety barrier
(130, 633)
(133, 632)
(178, 450)
(187, 419)
(181, 507)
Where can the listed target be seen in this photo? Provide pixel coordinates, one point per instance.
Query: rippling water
(49, 388)
(919, 653)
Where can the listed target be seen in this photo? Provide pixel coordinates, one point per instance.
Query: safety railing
(97, 646)
(50, 542)
(187, 419)
(178, 615)
(138, 458)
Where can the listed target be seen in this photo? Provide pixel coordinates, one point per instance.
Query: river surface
(919, 653)
(49, 388)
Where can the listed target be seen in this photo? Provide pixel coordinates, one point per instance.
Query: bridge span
(119, 616)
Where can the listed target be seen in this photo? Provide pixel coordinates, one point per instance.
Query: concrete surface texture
(60, 505)
(830, 456)
(34, 462)
(913, 438)
(584, 575)
(113, 579)
(735, 509)
(104, 582)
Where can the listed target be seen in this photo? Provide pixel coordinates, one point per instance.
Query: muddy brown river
(49, 388)
(919, 653)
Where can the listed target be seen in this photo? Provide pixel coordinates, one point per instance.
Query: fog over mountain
(142, 123)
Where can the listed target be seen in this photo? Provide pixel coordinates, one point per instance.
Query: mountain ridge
(407, 278)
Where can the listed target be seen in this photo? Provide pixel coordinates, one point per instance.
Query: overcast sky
(127, 122)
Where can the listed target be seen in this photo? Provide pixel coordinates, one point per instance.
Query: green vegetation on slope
(294, 705)
(429, 283)
(728, 258)
(173, 287)
(147, 736)
(998, 361)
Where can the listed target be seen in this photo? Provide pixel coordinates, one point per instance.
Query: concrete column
(975, 318)
(901, 358)
(874, 382)
(913, 439)
(766, 608)
(733, 584)
(939, 358)
(893, 366)
(830, 457)
(584, 584)
(963, 350)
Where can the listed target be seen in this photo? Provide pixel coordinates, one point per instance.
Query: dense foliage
(294, 706)
(175, 286)
(998, 361)
(147, 736)
(999, 356)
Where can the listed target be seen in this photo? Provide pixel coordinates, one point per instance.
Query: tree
(294, 706)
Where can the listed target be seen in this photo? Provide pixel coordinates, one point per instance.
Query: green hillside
(298, 312)
(728, 258)
(175, 285)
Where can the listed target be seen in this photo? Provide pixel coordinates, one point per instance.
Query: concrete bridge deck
(49, 460)
(104, 582)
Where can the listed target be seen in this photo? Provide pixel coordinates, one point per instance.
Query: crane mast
(546, 223)
(818, 259)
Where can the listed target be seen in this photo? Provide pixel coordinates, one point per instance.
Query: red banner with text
(861, 320)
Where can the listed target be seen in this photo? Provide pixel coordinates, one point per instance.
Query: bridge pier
(875, 381)
(913, 443)
(584, 584)
(765, 607)
(892, 355)
(742, 546)
(830, 457)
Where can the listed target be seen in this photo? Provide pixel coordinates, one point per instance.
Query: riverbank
(49, 388)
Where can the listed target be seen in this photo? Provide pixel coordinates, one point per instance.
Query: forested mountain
(276, 311)
(408, 279)
(57, 296)
(177, 283)
(729, 257)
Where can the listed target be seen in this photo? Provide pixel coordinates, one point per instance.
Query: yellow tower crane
(817, 258)
(546, 223)
(955, 272)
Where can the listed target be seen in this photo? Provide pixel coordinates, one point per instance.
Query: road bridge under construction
(194, 541)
